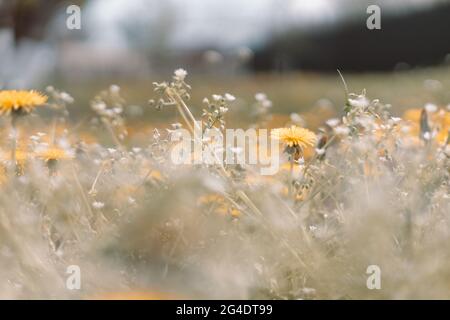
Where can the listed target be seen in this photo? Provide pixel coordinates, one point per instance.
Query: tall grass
(373, 191)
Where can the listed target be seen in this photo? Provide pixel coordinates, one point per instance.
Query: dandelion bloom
(295, 136)
(54, 154)
(20, 102)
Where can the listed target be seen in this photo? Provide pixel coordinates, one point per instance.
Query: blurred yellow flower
(295, 136)
(412, 114)
(54, 154)
(218, 204)
(439, 122)
(21, 102)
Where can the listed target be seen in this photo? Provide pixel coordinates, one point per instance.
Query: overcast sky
(220, 23)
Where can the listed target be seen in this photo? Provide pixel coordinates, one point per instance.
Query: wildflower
(54, 154)
(20, 102)
(297, 119)
(223, 110)
(98, 205)
(359, 101)
(266, 103)
(114, 89)
(180, 74)
(296, 140)
(342, 130)
(424, 125)
(67, 97)
(260, 96)
(396, 119)
(431, 107)
(320, 151)
(427, 135)
(333, 122)
(229, 97)
(295, 136)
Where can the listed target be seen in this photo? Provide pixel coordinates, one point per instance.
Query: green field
(293, 92)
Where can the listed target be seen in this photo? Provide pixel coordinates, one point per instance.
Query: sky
(193, 23)
(206, 22)
(219, 23)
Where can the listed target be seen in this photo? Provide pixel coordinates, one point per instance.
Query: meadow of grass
(290, 92)
(87, 180)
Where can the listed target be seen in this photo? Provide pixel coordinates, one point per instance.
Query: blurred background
(289, 49)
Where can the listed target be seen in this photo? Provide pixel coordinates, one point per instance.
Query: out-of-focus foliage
(29, 18)
(105, 195)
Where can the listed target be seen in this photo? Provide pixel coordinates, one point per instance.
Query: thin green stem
(291, 174)
(14, 142)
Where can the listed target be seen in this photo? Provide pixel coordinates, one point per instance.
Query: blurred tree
(29, 18)
(409, 37)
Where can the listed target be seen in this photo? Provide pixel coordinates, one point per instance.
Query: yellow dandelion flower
(412, 114)
(295, 136)
(20, 102)
(438, 121)
(53, 154)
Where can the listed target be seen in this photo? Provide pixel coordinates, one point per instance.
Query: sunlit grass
(91, 183)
